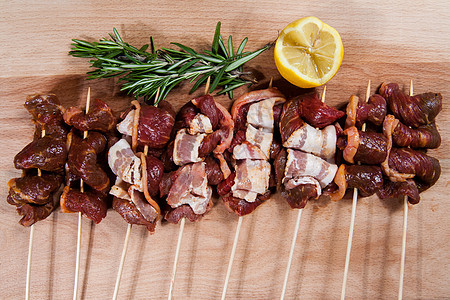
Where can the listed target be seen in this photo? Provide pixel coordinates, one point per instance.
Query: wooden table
(390, 41)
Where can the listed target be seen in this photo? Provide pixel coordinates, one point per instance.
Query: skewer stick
(230, 262)
(122, 260)
(30, 245)
(77, 263)
(297, 226)
(177, 254)
(352, 220)
(182, 223)
(405, 224)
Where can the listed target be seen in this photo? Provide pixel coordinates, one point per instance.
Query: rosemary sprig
(142, 73)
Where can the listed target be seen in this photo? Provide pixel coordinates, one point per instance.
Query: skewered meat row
(194, 150)
(138, 175)
(204, 130)
(405, 171)
(251, 149)
(36, 196)
(85, 161)
(306, 167)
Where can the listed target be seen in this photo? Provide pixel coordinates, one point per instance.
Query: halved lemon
(308, 52)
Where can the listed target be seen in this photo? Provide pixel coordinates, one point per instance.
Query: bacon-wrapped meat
(364, 147)
(297, 134)
(425, 136)
(359, 112)
(90, 203)
(397, 189)
(46, 153)
(133, 206)
(412, 111)
(248, 186)
(99, 117)
(149, 125)
(367, 179)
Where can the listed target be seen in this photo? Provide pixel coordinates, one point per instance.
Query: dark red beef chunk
(82, 160)
(155, 171)
(47, 153)
(280, 165)
(207, 106)
(185, 116)
(155, 125)
(213, 171)
(412, 111)
(92, 204)
(131, 214)
(290, 119)
(174, 215)
(99, 117)
(373, 111)
(425, 136)
(45, 109)
(372, 148)
(315, 112)
(242, 207)
(300, 195)
(399, 189)
(33, 189)
(224, 187)
(209, 143)
(32, 213)
(367, 179)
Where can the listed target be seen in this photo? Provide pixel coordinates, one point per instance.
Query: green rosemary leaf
(200, 81)
(222, 47)
(230, 46)
(243, 60)
(215, 42)
(231, 87)
(116, 33)
(216, 80)
(144, 48)
(209, 58)
(152, 45)
(241, 46)
(185, 48)
(187, 65)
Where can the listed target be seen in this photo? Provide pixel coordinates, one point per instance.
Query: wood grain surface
(383, 41)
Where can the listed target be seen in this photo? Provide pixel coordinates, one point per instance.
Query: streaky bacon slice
(191, 187)
(125, 164)
(256, 96)
(251, 176)
(186, 147)
(246, 150)
(304, 164)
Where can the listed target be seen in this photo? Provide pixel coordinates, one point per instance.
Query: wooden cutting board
(383, 41)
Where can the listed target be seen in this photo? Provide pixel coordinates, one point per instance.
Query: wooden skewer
(30, 245)
(230, 262)
(297, 226)
(77, 263)
(352, 220)
(180, 233)
(405, 224)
